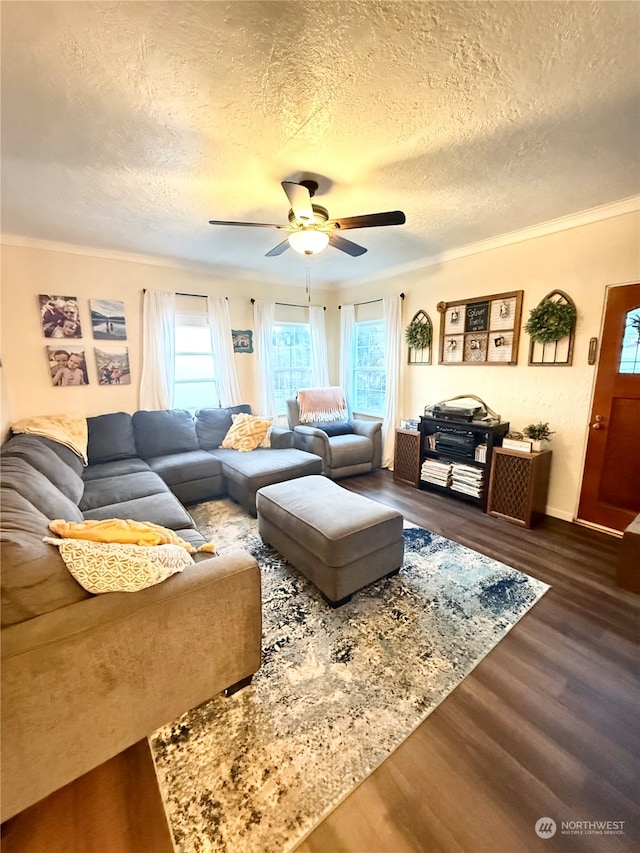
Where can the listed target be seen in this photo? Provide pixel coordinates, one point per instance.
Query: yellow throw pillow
(246, 432)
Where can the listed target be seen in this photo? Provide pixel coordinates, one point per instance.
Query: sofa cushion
(196, 540)
(163, 508)
(111, 437)
(161, 433)
(114, 567)
(35, 579)
(264, 466)
(117, 490)
(114, 469)
(18, 475)
(185, 467)
(347, 450)
(44, 459)
(213, 424)
(64, 453)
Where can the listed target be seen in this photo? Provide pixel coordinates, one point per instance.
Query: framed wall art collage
(66, 355)
(484, 330)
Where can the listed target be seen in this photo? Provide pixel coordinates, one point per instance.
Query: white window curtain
(392, 355)
(158, 350)
(222, 351)
(264, 317)
(319, 354)
(347, 328)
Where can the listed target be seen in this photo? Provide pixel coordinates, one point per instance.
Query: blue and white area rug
(338, 690)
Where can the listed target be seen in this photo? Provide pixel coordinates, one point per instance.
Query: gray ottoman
(340, 541)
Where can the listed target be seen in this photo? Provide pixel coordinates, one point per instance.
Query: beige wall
(582, 261)
(26, 272)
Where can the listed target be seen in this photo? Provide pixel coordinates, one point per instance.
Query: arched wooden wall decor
(560, 352)
(421, 355)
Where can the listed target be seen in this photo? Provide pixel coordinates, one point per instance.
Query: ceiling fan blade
(300, 201)
(278, 250)
(369, 220)
(346, 246)
(249, 224)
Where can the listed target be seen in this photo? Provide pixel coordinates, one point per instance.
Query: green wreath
(418, 334)
(551, 321)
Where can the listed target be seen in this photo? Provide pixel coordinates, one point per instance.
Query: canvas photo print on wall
(60, 316)
(107, 319)
(113, 367)
(67, 365)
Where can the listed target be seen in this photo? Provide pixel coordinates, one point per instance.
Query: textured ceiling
(127, 126)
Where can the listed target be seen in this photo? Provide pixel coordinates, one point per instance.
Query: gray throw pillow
(339, 428)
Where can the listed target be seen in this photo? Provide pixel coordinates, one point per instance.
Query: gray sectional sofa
(85, 676)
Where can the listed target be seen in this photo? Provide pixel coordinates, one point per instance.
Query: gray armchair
(353, 447)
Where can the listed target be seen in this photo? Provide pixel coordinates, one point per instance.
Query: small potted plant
(537, 433)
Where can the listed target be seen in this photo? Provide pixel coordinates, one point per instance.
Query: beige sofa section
(82, 683)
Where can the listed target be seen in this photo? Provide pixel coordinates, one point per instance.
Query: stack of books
(481, 453)
(436, 472)
(466, 479)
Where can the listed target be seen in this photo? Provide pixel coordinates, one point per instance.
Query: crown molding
(22, 242)
(544, 229)
(553, 226)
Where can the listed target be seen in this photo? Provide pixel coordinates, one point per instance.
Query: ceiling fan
(311, 230)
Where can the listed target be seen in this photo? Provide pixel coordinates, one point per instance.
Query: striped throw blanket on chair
(322, 405)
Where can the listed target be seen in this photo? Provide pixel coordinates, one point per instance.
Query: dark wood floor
(545, 726)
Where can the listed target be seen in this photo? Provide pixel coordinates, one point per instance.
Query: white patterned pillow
(113, 567)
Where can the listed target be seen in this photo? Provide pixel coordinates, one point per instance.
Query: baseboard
(559, 513)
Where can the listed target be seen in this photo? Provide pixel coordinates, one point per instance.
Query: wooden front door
(610, 493)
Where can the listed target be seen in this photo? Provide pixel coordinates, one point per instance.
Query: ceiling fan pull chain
(308, 281)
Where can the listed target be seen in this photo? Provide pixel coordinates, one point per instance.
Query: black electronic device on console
(457, 440)
(443, 409)
(458, 413)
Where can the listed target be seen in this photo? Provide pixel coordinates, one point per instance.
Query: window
(630, 355)
(194, 385)
(369, 378)
(291, 351)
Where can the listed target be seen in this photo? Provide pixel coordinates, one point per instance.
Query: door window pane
(630, 352)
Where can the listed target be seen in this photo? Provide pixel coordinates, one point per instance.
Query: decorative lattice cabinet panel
(518, 485)
(406, 461)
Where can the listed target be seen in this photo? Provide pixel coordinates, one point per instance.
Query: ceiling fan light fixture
(308, 241)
